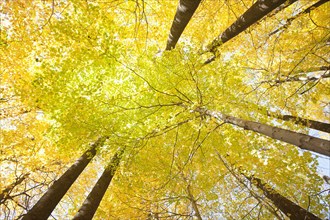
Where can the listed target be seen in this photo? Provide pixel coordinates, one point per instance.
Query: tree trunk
(300, 78)
(251, 191)
(184, 12)
(289, 208)
(306, 11)
(321, 126)
(302, 141)
(257, 11)
(46, 204)
(282, 7)
(91, 203)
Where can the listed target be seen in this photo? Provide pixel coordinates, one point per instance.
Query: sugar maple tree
(73, 72)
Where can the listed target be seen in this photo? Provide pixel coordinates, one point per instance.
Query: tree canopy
(175, 135)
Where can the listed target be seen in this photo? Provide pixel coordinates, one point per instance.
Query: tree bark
(321, 126)
(91, 203)
(301, 78)
(282, 7)
(302, 141)
(306, 11)
(239, 178)
(46, 204)
(257, 11)
(289, 208)
(184, 12)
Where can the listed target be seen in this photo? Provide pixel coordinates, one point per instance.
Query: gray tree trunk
(282, 7)
(184, 12)
(46, 204)
(257, 11)
(299, 78)
(92, 202)
(317, 125)
(306, 11)
(302, 141)
(289, 208)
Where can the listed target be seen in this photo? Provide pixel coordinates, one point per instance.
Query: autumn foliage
(188, 128)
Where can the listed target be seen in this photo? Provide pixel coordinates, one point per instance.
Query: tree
(300, 140)
(283, 6)
(94, 198)
(306, 11)
(183, 14)
(289, 208)
(292, 210)
(321, 126)
(44, 207)
(257, 11)
(298, 78)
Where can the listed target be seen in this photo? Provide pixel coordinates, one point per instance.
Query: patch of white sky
(6, 24)
(7, 123)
